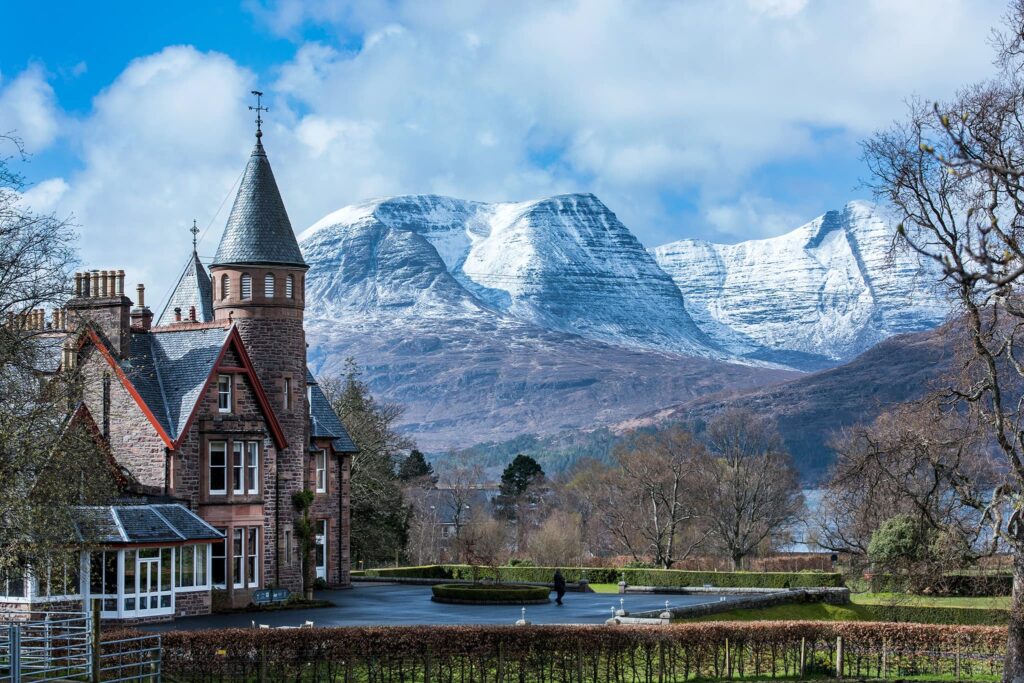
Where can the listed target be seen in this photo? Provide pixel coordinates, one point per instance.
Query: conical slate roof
(258, 230)
(193, 289)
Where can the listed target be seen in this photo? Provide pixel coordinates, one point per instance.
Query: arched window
(225, 286)
(246, 286)
(289, 287)
(268, 286)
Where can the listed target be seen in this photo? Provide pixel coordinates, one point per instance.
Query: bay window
(252, 466)
(237, 556)
(321, 471)
(238, 468)
(252, 557)
(218, 467)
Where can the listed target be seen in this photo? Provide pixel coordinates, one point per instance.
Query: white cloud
(45, 196)
(28, 109)
(495, 101)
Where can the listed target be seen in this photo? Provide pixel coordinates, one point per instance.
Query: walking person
(559, 583)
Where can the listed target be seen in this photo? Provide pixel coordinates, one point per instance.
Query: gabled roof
(193, 289)
(128, 524)
(258, 230)
(169, 371)
(324, 422)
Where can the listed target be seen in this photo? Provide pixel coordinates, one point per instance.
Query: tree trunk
(1013, 671)
(737, 562)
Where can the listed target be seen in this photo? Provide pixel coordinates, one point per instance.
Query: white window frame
(210, 467)
(321, 470)
(224, 556)
(322, 529)
(252, 556)
(246, 286)
(252, 467)
(269, 285)
(238, 557)
(225, 388)
(238, 467)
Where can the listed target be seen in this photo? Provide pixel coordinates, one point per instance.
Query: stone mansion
(213, 417)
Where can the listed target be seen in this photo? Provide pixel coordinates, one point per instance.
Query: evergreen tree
(516, 480)
(379, 514)
(415, 466)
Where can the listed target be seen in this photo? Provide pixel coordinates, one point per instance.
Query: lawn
(1002, 602)
(604, 587)
(881, 607)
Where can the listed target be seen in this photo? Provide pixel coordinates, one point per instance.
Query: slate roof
(171, 523)
(324, 422)
(258, 230)
(193, 289)
(169, 369)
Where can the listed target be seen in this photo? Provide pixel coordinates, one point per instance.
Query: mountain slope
(486, 321)
(816, 296)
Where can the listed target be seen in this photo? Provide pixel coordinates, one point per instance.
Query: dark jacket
(559, 581)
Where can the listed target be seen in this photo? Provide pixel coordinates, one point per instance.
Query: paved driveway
(392, 604)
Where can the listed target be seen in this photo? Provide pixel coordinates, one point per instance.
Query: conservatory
(145, 562)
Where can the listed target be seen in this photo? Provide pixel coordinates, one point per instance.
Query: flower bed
(490, 594)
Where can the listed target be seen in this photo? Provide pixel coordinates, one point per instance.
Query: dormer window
(268, 286)
(224, 393)
(225, 286)
(246, 286)
(289, 287)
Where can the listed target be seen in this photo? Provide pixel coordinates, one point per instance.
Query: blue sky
(717, 119)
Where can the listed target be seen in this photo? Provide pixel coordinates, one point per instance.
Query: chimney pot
(177, 314)
(78, 284)
(140, 291)
(120, 283)
(192, 313)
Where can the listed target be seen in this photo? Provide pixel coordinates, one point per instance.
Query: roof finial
(195, 232)
(259, 108)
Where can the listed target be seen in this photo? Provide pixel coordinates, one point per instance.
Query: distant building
(215, 421)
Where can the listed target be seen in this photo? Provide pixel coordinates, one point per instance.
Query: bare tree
(484, 542)
(460, 487)
(558, 542)
(749, 490)
(954, 174)
(51, 456)
(657, 506)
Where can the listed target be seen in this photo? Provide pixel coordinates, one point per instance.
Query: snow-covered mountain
(564, 263)
(486, 321)
(811, 298)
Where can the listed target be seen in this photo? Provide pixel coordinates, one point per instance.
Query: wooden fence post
(885, 658)
(96, 641)
(803, 656)
(579, 662)
(728, 660)
(263, 662)
(958, 658)
(426, 665)
(839, 657)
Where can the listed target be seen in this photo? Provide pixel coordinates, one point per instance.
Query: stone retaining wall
(758, 600)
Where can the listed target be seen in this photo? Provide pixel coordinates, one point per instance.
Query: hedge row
(494, 594)
(919, 614)
(959, 584)
(665, 578)
(583, 654)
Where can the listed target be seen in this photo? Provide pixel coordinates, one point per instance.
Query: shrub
(665, 578)
(691, 651)
(494, 594)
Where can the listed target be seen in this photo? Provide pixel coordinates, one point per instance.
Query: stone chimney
(142, 317)
(99, 301)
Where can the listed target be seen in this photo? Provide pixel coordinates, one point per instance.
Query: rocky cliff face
(814, 297)
(487, 321)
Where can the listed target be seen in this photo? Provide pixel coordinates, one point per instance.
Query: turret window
(225, 286)
(268, 286)
(246, 286)
(289, 287)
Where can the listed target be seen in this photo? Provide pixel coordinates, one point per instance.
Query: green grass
(604, 587)
(1002, 602)
(815, 611)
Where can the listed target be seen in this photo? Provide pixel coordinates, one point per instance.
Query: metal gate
(65, 647)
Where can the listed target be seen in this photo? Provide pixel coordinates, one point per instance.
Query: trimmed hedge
(509, 594)
(665, 578)
(583, 654)
(920, 614)
(962, 584)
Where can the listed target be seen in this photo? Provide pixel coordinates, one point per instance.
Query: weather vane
(195, 231)
(259, 108)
